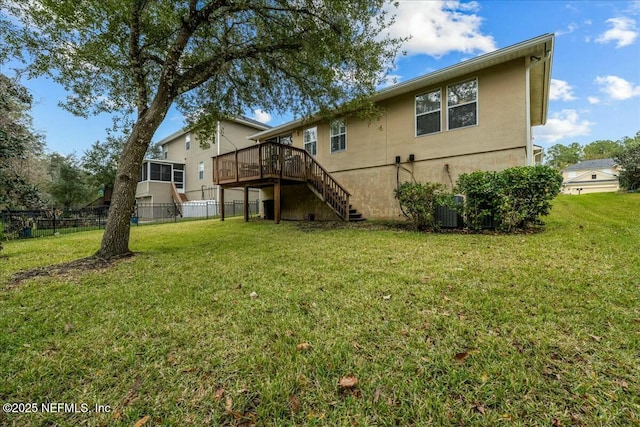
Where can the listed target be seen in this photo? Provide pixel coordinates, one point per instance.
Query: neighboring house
(475, 115)
(590, 176)
(183, 174)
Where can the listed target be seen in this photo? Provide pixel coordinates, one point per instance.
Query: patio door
(178, 180)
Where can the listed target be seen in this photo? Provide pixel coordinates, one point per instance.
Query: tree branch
(202, 72)
(135, 56)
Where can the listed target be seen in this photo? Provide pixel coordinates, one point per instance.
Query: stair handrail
(176, 197)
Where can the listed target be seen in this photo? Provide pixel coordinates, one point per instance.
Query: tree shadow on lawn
(91, 263)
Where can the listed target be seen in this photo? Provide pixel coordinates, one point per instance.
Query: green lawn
(439, 329)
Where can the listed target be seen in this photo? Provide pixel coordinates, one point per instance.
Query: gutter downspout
(527, 101)
(218, 143)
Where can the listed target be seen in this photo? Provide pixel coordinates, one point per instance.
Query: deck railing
(271, 160)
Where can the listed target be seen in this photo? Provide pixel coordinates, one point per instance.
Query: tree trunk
(115, 241)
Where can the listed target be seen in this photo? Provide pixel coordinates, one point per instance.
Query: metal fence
(48, 222)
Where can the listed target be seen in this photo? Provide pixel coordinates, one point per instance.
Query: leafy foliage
(18, 142)
(70, 183)
(601, 149)
(101, 161)
(513, 199)
(629, 167)
(560, 156)
(420, 200)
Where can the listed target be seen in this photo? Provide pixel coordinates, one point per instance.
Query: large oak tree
(214, 58)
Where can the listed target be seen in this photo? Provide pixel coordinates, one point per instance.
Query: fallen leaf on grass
(596, 338)
(376, 395)
(142, 421)
(348, 382)
(303, 346)
(68, 327)
(556, 422)
(386, 297)
(461, 357)
(294, 403)
(478, 408)
(357, 346)
(253, 295)
(219, 393)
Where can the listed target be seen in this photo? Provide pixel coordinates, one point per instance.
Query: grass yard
(438, 329)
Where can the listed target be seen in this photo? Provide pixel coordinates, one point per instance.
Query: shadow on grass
(92, 263)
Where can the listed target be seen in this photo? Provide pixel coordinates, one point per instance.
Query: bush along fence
(48, 222)
(510, 200)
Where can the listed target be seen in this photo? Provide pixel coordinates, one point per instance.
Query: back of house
(475, 115)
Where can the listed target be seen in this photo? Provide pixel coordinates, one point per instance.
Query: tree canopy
(560, 156)
(213, 58)
(628, 160)
(18, 141)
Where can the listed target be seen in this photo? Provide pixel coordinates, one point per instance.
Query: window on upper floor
(311, 140)
(462, 104)
(201, 170)
(594, 176)
(187, 142)
(428, 108)
(338, 132)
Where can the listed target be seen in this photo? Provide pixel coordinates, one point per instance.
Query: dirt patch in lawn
(91, 263)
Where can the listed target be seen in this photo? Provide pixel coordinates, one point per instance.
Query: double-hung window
(187, 142)
(428, 108)
(311, 140)
(338, 136)
(462, 104)
(201, 170)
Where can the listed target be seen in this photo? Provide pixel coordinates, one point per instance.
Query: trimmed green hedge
(514, 198)
(509, 200)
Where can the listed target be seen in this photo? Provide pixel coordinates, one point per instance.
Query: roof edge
(444, 74)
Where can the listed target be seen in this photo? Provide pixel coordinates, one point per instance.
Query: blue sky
(595, 77)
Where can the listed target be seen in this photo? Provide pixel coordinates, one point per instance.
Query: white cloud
(624, 32)
(570, 29)
(561, 125)
(593, 100)
(439, 27)
(261, 116)
(617, 88)
(561, 91)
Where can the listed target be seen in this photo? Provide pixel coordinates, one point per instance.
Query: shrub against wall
(420, 200)
(514, 198)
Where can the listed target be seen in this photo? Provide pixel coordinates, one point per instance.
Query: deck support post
(221, 203)
(276, 202)
(246, 204)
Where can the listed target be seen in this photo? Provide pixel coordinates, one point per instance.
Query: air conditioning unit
(449, 218)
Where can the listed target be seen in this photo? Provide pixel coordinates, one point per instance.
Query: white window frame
(332, 135)
(416, 114)
(187, 142)
(475, 101)
(201, 170)
(312, 143)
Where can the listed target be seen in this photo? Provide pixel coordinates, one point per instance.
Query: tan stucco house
(591, 176)
(183, 174)
(475, 115)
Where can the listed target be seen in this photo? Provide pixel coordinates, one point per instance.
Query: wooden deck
(273, 164)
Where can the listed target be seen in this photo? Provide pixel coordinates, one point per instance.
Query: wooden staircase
(270, 162)
(178, 198)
